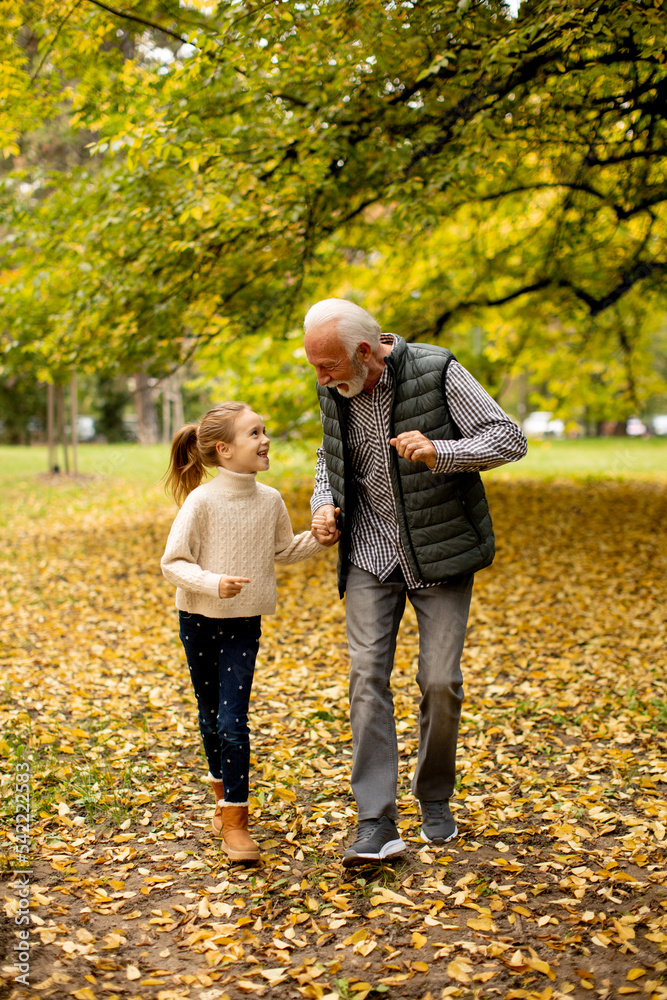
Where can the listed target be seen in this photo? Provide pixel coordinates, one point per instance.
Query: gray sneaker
(438, 824)
(376, 839)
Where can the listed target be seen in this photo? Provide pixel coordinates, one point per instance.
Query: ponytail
(186, 469)
(193, 449)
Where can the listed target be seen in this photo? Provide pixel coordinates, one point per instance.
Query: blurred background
(180, 181)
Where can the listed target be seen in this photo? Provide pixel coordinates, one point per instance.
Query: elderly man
(406, 431)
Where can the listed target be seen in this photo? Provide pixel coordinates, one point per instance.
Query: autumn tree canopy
(182, 177)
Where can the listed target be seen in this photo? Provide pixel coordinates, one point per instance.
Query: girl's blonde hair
(193, 448)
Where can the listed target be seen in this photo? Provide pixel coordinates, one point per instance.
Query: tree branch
(655, 198)
(440, 322)
(60, 27)
(544, 184)
(641, 154)
(596, 305)
(641, 270)
(139, 20)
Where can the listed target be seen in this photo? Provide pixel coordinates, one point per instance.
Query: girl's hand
(230, 586)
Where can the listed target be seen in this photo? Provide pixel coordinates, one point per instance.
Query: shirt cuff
(445, 456)
(321, 501)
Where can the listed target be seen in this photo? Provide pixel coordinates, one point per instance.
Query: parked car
(659, 424)
(634, 427)
(85, 429)
(542, 424)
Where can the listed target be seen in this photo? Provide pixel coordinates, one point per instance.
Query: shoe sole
(438, 840)
(386, 851)
(239, 855)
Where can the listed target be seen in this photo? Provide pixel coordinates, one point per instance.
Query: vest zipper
(394, 464)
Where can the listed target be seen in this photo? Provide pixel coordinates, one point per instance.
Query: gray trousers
(374, 610)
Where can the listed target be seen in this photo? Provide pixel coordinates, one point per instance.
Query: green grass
(130, 473)
(134, 462)
(124, 475)
(590, 458)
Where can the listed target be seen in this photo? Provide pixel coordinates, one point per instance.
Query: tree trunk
(166, 413)
(49, 426)
(177, 405)
(172, 407)
(147, 426)
(61, 434)
(74, 417)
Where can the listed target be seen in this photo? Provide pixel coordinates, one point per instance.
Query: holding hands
(415, 447)
(324, 526)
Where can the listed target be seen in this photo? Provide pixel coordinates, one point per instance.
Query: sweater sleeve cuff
(210, 584)
(445, 456)
(314, 547)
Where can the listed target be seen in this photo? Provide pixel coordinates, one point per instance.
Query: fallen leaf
(460, 970)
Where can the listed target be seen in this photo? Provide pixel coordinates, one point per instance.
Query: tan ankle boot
(237, 843)
(219, 794)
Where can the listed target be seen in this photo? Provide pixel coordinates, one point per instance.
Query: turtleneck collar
(236, 482)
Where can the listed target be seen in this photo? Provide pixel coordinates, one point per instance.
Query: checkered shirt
(490, 438)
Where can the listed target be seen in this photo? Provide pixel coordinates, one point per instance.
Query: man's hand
(414, 447)
(230, 586)
(323, 526)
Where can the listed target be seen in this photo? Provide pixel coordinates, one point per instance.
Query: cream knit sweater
(232, 526)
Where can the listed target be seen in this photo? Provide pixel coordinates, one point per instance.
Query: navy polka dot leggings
(221, 654)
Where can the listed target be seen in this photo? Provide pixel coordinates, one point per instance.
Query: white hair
(353, 324)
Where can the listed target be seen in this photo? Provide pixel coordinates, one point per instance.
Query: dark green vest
(443, 520)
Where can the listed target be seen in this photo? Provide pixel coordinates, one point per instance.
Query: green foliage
(445, 164)
(271, 374)
(21, 400)
(110, 402)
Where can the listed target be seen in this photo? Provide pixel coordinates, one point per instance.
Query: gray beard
(357, 382)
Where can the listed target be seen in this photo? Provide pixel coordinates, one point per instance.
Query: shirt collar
(385, 378)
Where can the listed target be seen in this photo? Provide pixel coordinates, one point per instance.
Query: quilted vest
(443, 519)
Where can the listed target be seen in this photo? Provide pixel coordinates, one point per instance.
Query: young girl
(220, 554)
